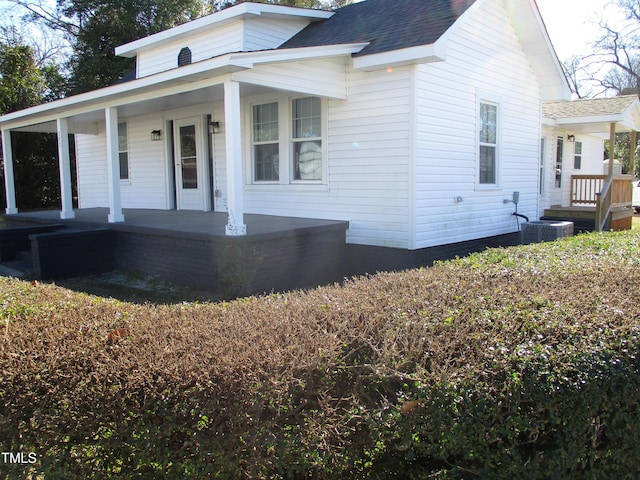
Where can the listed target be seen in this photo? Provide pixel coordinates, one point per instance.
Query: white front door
(190, 165)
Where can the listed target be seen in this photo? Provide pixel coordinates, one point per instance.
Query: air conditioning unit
(545, 231)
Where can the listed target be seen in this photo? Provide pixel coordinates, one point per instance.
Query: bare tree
(617, 52)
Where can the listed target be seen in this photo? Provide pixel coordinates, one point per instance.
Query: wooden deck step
(583, 218)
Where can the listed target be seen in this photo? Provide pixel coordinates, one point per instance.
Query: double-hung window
(123, 151)
(266, 149)
(287, 141)
(577, 155)
(488, 142)
(307, 138)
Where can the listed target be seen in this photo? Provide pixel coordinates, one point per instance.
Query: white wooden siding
(240, 36)
(91, 166)
(368, 170)
(323, 77)
(484, 62)
(146, 186)
(147, 165)
(225, 39)
(219, 161)
(592, 158)
(263, 33)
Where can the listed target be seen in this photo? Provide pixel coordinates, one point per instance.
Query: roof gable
(219, 19)
(386, 24)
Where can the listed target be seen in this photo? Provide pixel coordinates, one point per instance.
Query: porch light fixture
(156, 135)
(214, 127)
(571, 138)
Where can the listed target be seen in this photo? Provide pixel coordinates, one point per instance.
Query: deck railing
(616, 193)
(585, 189)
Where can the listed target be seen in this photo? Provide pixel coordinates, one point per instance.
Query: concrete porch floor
(178, 222)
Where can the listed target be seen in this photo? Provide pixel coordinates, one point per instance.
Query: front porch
(192, 248)
(598, 202)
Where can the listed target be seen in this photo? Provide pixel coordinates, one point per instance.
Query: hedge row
(516, 363)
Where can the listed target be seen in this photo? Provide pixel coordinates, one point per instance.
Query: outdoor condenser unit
(545, 230)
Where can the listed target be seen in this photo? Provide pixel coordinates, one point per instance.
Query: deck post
(113, 165)
(233, 128)
(9, 178)
(64, 162)
(612, 147)
(632, 152)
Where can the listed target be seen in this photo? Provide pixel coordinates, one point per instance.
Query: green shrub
(516, 363)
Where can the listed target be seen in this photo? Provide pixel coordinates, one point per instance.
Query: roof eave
(435, 52)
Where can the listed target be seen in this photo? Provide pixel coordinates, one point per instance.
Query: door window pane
(188, 157)
(559, 156)
(123, 151)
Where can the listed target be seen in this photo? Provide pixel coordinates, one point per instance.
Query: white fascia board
(153, 86)
(249, 59)
(237, 12)
(599, 123)
(436, 52)
(536, 42)
(590, 119)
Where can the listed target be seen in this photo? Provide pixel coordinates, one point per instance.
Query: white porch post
(9, 179)
(64, 162)
(612, 148)
(113, 166)
(233, 129)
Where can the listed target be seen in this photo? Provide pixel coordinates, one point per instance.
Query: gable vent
(184, 57)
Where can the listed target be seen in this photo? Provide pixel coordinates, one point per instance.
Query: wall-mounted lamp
(214, 127)
(571, 138)
(156, 135)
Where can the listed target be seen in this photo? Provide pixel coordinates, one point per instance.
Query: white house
(413, 120)
(573, 136)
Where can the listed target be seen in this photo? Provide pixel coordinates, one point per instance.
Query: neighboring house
(413, 120)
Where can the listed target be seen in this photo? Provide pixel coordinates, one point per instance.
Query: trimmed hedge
(515, 363)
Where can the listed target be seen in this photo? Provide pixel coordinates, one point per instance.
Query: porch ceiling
(90, 122)
(192, 84)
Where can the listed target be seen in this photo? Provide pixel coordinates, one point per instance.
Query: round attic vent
(184, 57)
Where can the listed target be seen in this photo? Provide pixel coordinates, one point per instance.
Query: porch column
(632, 152)
(9, 179)
(232, 128)
(612, 147)
(113, 165)
(64, 162)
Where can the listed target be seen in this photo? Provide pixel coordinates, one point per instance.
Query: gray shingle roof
(387, 24)
(591, 107)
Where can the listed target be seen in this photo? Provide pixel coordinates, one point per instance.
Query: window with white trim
(123, 151)
(577, 155)
(307, 138)
(266, 147)
(488, 144)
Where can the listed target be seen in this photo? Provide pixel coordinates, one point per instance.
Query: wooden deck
(584, 217)
(598, 202)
